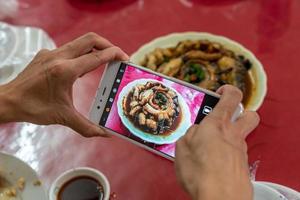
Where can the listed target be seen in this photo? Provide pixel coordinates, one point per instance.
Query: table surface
(270, 29)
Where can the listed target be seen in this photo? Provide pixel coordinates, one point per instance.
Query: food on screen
(152, 107)
(203, 63)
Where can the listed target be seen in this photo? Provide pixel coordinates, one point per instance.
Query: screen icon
(121, 70)
(114, 90)
(111, 99)
(206, 110)
(118, 80)
(107, 109)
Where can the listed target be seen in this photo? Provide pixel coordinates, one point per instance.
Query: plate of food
(153, 111)
(18, 181)
(208, 61)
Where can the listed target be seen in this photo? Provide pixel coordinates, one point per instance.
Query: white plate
(263, 192)
(157, 139)
(257, 72)
(13, 168)
(289, 193)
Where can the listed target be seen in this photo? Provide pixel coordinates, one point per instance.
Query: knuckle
(43, 52)
(234, 91)
(97, 56)
(58, 63)
(115, 51)
(92, 36)
(57, 68)
(69, 46)
(221, 125)
(42, 57)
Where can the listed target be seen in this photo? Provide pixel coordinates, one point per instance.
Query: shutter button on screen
(206, 110)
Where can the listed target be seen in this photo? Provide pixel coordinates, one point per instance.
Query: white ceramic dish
(263, 192)
(22, 45)
(12, 168)
(289, 193)
(157, 139)
(257, 72)
(8, 42)
(81, 171)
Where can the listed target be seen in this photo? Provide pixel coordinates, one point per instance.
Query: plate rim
(30, 170)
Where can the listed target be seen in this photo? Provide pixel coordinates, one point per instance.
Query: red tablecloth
(271, 29)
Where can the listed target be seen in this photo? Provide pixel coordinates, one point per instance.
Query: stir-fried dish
(152, 107)
(203, 63)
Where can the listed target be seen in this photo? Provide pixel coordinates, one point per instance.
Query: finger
(182, 150)
(247, 122)
(228, 103)
(91, 61)
(83, 45)
(83, 126)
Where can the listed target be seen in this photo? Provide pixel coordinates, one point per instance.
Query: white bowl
(12, 168)
(257, 72)
(263, 192)
(80, 171)
(289, 193)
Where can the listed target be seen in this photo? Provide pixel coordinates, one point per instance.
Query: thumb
(83, 126)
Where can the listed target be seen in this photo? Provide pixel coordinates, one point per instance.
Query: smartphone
(148, 108)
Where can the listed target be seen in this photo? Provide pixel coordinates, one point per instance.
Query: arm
(211, 159)
(43, 94)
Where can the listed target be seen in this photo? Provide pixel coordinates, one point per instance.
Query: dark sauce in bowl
(81, 188)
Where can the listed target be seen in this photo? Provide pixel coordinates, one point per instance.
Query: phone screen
(153, 110)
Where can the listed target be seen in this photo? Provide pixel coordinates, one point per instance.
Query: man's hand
(211, 159)
(42, 93)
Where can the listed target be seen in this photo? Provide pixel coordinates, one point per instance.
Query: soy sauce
(81, 188)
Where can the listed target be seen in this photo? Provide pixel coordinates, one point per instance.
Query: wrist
(8, 109)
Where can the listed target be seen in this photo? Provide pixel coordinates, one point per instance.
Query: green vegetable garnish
(195, 69)
(160, 99)
(186, 78)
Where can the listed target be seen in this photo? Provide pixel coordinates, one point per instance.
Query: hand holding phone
(42, 92)
(211, 158)
(149, 109)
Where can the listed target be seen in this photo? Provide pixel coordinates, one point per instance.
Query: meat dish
(152, 107)
(203, 63)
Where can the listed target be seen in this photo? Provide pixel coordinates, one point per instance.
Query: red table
(271, 29)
